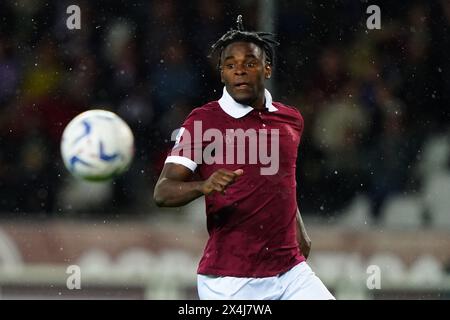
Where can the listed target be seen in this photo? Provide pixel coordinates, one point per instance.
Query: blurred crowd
(370, 98)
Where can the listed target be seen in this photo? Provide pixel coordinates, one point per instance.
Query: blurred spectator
(339, 130)
(173, 77)
(389, 158)
(9, 71)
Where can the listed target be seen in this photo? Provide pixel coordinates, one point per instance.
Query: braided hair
(264, 40)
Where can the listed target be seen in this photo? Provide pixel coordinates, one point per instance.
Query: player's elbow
(158, 201)
(159, 198)
(308, 243)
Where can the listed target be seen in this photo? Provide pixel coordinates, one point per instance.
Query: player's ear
(221, 75)
(267, 70)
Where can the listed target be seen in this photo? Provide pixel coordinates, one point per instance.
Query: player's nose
(239, 70)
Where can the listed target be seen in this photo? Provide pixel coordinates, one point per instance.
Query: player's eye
(229, 66)
(250, 64)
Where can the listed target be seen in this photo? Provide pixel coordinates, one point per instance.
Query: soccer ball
(97, 145)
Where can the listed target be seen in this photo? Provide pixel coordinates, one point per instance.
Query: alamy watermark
(74, 279)
(234, 146)
(374, 279)
(374, 20)
(74, 20)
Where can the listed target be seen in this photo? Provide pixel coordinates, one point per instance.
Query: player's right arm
(175, 189)
(175, 186)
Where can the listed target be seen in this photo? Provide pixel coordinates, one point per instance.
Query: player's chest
(256, 135)
(261, 126)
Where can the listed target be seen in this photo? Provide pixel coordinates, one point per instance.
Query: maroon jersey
(252, 227)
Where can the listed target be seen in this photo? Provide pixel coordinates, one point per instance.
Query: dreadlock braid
(240, 24)
(262, 39)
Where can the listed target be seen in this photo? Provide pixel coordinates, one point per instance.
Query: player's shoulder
(206, 111)
(288, 110)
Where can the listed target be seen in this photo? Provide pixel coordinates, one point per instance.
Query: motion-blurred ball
(97, 145)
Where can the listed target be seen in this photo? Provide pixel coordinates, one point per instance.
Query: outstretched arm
(302, 237)
(174, 189)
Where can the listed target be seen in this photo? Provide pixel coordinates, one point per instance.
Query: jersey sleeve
(299, 122)
(188, 146)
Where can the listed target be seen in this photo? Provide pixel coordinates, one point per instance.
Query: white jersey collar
(237, 110)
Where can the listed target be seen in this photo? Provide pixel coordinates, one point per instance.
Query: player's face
(243, 71)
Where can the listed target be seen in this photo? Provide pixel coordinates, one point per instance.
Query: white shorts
(299, 283)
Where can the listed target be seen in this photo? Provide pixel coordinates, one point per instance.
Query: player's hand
(220, 180)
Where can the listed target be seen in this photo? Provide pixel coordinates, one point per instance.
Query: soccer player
(257, 245)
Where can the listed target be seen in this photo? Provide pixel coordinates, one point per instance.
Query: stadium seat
(436, 152)
(437, 199)
(357, 214)
(95, 261)
(426, 270)
(136, 262)
(400, 212)
(79, 195)
(332, 266)
(391, 266)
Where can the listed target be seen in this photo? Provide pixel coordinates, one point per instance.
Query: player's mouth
(242, 85)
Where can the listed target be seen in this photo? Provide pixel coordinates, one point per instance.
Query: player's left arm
(302, 237)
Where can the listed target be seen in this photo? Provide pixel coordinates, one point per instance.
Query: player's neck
(260, 103)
